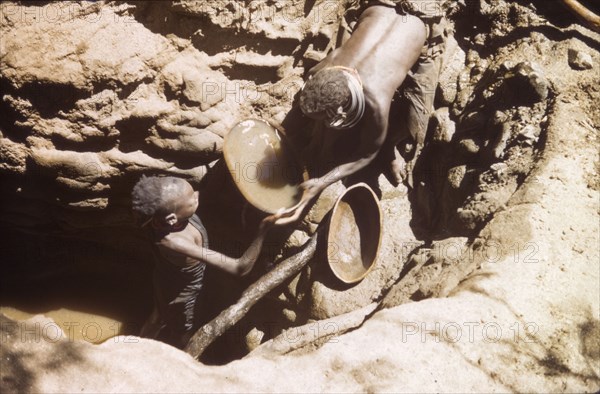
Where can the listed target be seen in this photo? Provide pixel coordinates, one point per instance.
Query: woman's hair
(153, 194)
(324, 92)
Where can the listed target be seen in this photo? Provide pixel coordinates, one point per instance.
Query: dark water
(92, 291)
(90, 308)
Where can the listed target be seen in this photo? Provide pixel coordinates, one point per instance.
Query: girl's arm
(238, 267)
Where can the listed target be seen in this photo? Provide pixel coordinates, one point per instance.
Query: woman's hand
(271, 220)
(311, 189)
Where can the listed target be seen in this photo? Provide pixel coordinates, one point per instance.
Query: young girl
(167, 206)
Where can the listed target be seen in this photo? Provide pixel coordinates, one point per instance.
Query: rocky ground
(488, 275)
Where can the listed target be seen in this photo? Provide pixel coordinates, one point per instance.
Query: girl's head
(166, 200)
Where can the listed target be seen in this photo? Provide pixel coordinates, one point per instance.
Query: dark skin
(382, 49)
(182, 245)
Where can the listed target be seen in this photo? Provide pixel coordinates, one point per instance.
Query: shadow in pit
(45, 271)
(551, 32)
(530, 350)
(470, 23)
(559, 14)
(48, 99)
(232, 223)
(459, 184)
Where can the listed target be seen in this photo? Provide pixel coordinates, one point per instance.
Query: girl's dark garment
(176, 290)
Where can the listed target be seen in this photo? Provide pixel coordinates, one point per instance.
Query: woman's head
(334, 95)
(325, 91)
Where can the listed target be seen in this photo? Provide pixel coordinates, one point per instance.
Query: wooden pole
(587, 16)
(230, 316)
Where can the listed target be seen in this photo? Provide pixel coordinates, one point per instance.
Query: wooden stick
(584, 14)
(298, 337)
(230, 316)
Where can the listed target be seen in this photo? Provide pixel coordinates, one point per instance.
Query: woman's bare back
(382, 48)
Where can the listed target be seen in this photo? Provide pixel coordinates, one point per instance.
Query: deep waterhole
(94, 292)
(90, 292)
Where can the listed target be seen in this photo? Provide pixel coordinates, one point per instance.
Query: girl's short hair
(151, 195)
